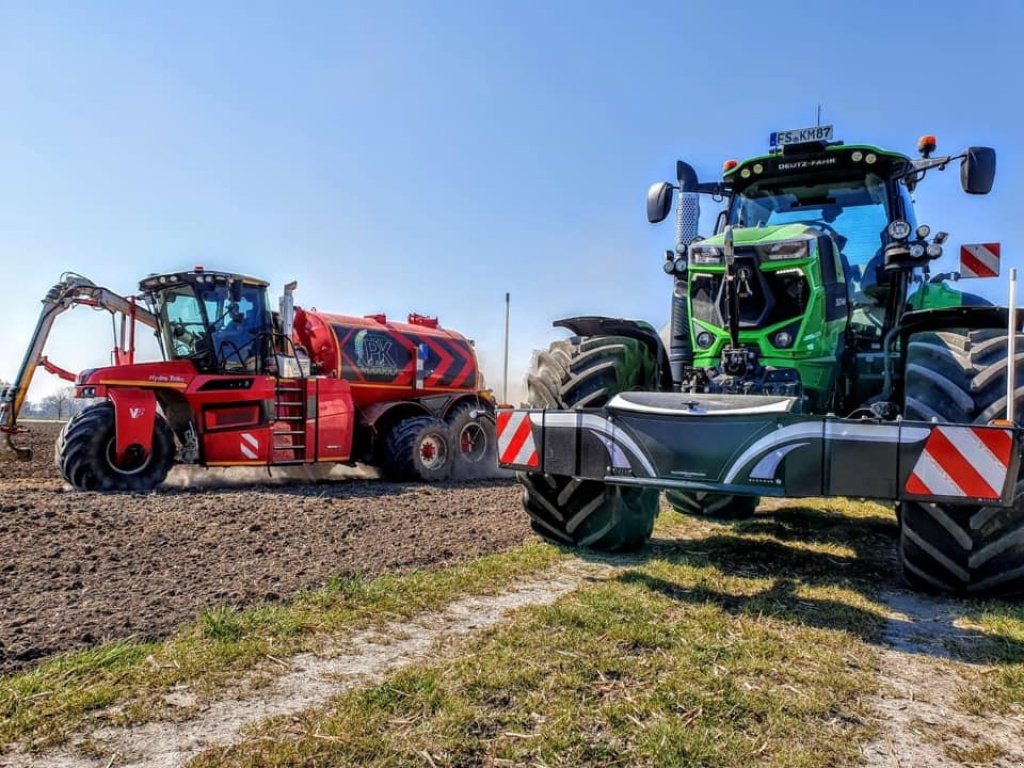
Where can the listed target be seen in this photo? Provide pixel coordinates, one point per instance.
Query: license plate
(800, 136)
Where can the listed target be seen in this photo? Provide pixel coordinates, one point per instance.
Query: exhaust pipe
(680, 352)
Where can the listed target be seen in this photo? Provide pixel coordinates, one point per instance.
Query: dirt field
(80, 568)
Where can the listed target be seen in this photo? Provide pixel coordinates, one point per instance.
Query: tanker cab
(221, 323)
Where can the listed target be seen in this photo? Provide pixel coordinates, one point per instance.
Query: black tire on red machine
(419, 448)
(586, 373)
(721, 506)
(474, 439)
(960, 378)
(85, 454)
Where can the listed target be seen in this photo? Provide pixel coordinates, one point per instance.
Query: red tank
(384, 360)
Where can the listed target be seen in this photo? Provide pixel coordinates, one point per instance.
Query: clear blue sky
(430, 156)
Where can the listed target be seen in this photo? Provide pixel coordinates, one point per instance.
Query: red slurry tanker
(242, 385)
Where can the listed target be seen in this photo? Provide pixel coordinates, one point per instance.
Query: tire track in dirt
(920, 677)
(364, 659)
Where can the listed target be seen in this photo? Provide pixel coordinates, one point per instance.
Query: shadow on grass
(801, 547)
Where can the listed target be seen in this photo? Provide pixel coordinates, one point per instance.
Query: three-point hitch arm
(72, 290)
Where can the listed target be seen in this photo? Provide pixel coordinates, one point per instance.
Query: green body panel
(817, 342)
(935, 296)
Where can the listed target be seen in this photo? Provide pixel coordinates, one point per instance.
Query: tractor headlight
(669, 266)
(706, 256)
(923, 231)
(916, 251)
(934, 250)
(704, 339)
(783, 340)
(898, 229)
(779, 251)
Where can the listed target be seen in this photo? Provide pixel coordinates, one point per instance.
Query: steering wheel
(184, 339)
(828, 229)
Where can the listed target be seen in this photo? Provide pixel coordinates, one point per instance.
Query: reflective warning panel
(516, 446)
(967, 462)
(979, 260)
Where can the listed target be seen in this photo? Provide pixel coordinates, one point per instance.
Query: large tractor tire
(85, 454)
(960, 378)
(722, 506)
(419, 448)
(587, 373)
(474, 441)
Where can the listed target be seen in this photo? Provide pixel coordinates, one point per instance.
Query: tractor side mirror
(978, 170)
(659, 201)
(235, 290)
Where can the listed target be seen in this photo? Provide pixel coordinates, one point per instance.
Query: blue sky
(430, 156)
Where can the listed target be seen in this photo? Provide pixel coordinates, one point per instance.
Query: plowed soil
(77, 569)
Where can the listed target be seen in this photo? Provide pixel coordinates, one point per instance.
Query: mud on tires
(587, 373)
(419, 448)
(84, 454)
(960, 378)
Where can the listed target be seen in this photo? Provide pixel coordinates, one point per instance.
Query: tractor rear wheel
(723, 506)
(960, 378)
(587, 373)
(86, 457)
(419, 448)
(474, 440)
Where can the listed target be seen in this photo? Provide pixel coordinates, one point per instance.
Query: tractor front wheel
(85, 454)
(587, 373)
(419, 448)
(960, 378)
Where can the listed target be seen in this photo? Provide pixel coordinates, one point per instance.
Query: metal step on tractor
(810, 353)
(242, 385)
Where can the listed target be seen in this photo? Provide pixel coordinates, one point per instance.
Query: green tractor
(810, 352)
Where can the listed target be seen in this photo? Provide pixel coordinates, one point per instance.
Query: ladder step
(288, 461)
(289, 432)
(291, 418)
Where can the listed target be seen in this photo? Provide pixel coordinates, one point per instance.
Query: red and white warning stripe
(963, 461)
(979, 260)
(515, 439)
(249, 453)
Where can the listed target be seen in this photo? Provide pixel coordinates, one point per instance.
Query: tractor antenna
(819, 115)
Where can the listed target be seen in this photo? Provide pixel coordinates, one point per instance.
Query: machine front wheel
(960, 378)
(85, 453)
(577, 373)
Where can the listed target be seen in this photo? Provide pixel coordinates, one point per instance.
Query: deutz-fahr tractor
(242, 385)
(811, 352)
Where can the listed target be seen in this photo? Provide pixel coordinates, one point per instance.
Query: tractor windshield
(203, 323)
(853, 211)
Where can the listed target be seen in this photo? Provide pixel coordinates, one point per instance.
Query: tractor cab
(850, 194)
(218, 321)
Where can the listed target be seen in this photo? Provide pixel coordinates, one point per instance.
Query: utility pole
(504, 381)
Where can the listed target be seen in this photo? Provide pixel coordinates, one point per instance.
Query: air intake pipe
(680, 352)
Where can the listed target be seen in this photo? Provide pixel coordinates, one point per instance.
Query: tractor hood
(764, 235)
(170, 375)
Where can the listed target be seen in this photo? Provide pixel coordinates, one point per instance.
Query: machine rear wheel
(722, 506)
(419, 448)
(958, 549)
(85, 454)
(474, 441)
(578, 373)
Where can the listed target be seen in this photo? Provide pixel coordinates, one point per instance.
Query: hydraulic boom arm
(72, 290)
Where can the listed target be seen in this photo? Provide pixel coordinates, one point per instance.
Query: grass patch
(716, 645)
(43, 705)
(999, 644)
